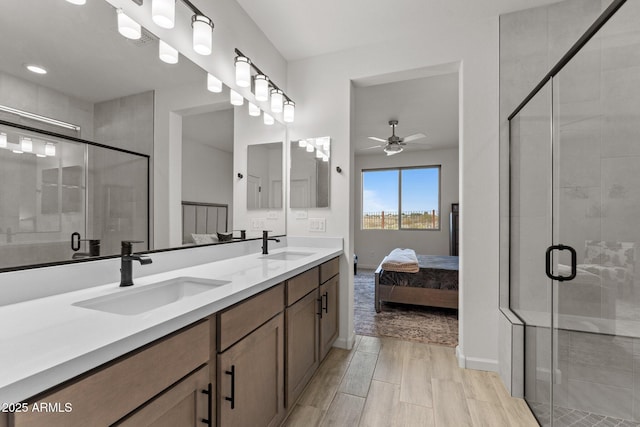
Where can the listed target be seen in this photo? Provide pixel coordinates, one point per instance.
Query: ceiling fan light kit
(394, 144)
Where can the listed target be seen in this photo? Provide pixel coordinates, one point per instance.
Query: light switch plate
(301, 215)
(318, 225)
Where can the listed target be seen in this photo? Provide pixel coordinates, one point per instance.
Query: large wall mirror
(119, 94)
(264, 176)
(309, 178)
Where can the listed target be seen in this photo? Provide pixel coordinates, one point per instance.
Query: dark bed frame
(409, 295)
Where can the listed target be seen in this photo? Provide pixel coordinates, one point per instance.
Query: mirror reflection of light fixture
(310, 147)
(3, 140)
(325, 158)
(319, 154)
(127, 26)
(50, 149)
(213, 83)
(26, 144)
(235, 98)
(289, 111)
(302, 143)
(163, 13)
(276, 100)
(262, 87)
(243, 71)
(253, 110)
(268, 119)
(202, 34)
(167, 53)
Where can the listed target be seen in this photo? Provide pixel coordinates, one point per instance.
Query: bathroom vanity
(238, 353)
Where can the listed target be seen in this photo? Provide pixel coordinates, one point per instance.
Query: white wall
(321, 87)
(372, 245)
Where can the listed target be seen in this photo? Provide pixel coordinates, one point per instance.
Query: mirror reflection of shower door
(254, 192)
(530, 235)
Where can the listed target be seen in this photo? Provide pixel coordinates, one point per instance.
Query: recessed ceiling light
(36, 69)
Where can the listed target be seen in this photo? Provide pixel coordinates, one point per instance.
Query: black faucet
(243, 235)
(265, 241)
(126, 273)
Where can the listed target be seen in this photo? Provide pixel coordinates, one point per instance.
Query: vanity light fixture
(289, 111)
(243, 71)
(268, 119)
(319, 154)
(325, 158)
(254, 110)
(36, 69)
(213, 83)
(127, 26)
(202, 34)
(310, 147)
(277, 98)
(26, 144)
(235, 98)
(262, 87)
(3, 140)
(50, 149)
(302, 143)
(77, 2)
(163, 13)
(167, 53)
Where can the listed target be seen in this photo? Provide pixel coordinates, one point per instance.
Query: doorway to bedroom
(406, 179)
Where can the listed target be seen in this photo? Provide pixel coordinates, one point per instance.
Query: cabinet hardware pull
(326, 302)
(320, 305)
(209, 393)
(232, 399)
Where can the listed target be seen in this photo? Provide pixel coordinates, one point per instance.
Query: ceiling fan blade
(375, 138)
(414, 137)
(375, 146)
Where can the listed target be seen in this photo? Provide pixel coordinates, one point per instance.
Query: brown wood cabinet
(251, 378)
(106, 394)
(302, 331)
(329, 314)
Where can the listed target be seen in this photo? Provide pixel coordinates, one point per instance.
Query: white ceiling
(300, 29)
(214, 129)
(427, 105)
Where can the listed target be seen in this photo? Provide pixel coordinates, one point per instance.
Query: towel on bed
(401, 260)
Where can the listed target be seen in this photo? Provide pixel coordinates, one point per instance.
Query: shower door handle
(550, 250)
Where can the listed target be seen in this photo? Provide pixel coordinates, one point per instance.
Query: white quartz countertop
(48, 340)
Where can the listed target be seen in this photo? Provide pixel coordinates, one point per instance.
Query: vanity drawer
(239, 320)
(301, 285)
(106, 394)
(329, 269)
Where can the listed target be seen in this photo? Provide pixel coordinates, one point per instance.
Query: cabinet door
(184, 404)
(302, 344)
(251, 378)
(329, 318)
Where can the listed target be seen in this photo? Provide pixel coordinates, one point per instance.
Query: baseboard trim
(476, 363)
(346, 343)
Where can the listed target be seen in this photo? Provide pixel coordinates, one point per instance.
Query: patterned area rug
(429, 325)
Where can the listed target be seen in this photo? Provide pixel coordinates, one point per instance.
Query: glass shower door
(530, 235)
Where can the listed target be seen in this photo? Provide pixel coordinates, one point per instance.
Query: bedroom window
(401, 198)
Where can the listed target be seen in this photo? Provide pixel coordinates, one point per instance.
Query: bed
(434, 285)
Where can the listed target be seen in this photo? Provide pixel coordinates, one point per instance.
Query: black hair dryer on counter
(94, 246)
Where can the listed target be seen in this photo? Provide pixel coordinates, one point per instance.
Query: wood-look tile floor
(387, 382)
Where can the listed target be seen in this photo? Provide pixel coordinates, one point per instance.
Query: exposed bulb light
(77, 2)
(36, 69)
(262, 87)
(3, 140)
(127, 26)
(26, 145)
(325, 158)
(235, 98)
(310, 148)
(268, 119)
(276, 100)
(163, 13)
(167, 53)
(253, 110)
(302, 143)
(289, 111)
(213, 83)
(202, 29)
(319, 154)
(49, 149)
(243, 71)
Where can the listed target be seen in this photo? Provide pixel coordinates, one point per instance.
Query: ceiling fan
(394, 144)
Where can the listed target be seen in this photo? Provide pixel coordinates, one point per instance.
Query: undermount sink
(287, 256)
(146, 298)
